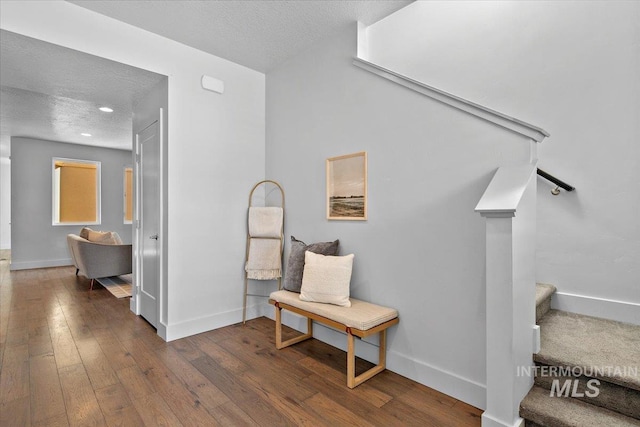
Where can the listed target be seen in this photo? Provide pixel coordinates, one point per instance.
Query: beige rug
(119, 286)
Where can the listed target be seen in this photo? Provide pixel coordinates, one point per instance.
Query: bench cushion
(361, 315)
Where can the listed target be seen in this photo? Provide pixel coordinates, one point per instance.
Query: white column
(509, 205)
(502, 407)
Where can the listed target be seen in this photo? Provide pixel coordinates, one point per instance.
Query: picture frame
(347, 187)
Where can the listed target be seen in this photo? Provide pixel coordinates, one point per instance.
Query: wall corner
(363, 41)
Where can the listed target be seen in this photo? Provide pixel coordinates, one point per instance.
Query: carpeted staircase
(600, 359)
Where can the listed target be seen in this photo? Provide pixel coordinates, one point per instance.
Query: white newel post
(508, 205)
(500, 407)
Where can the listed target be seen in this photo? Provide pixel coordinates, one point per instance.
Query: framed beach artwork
(347, 187)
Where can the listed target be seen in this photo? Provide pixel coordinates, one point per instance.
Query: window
(128, 195)
(76, 192)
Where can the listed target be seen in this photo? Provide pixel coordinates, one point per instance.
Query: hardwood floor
(74, 357)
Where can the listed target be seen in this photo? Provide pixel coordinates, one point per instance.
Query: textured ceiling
(51, 92)
(259, 34)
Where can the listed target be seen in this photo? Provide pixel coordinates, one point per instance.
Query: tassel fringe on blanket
(264, 259)
(263, 274)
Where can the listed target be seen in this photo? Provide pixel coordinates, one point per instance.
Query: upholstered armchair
(95, 260)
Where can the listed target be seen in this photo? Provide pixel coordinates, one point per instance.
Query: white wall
(37, 243)
(571, 67)
(215, 153)
(5, 203)
(422, 249)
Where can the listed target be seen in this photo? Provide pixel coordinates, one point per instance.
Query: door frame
(134, 303)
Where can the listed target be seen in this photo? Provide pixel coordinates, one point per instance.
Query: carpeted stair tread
(543, 291)
(543, 410)
(611, 396)
(570, 339)
(543, 299)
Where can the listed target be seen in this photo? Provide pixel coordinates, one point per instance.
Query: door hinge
(137, 223)
(137, 158)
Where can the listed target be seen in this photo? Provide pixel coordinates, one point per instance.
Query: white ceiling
(259, 34)
(51, 92)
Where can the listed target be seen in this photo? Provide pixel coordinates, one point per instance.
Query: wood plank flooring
(74, 357)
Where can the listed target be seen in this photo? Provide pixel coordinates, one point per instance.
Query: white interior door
(149, 202)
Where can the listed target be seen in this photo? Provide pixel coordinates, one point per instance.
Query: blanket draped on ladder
(265, 243)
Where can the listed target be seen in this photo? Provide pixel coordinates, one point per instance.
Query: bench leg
(279, 343)
(352, 380)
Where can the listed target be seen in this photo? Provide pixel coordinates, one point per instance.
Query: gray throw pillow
(295, 263)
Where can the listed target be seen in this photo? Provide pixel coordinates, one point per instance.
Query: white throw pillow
(104, 237)
(326, 279)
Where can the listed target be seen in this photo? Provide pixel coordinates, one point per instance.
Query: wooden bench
(362, 319)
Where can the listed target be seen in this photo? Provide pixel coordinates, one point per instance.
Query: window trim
(124, 194)
(54, 197)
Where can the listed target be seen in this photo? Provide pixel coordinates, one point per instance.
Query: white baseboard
(489, 421)
(446, 382)
(28, 265)
(203, 324)
(162, 331)
(620, 311)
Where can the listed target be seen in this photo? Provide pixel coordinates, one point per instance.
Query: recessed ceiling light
(85, 134)
(106, 109)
